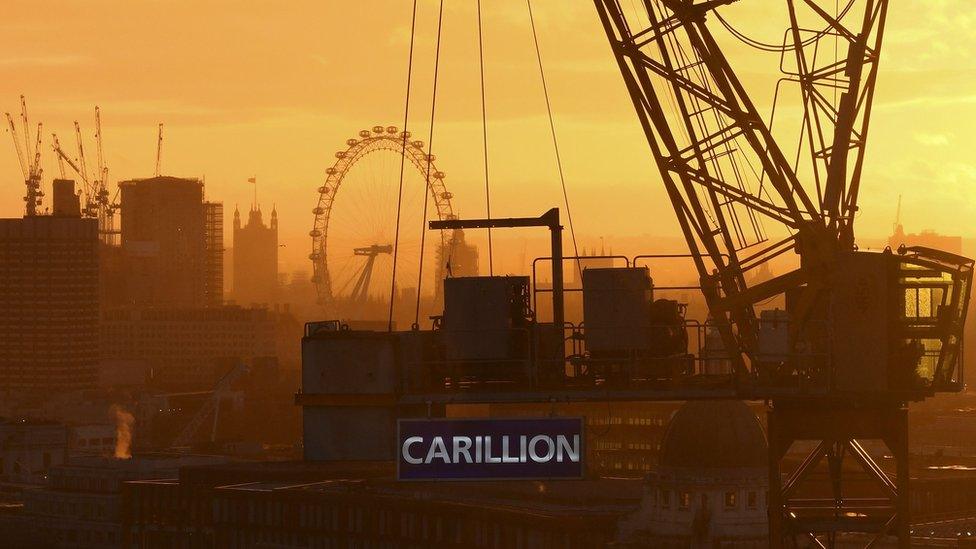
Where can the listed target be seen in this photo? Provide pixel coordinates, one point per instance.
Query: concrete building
(80, 504)
(172, 242)
(709, 488)
(347, 504)
(29, 448)
(49, 308)
(255, 258)
(186, 348)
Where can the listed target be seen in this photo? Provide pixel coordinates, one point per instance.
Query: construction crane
(159, 150)
(29, 158)
(97, 201)
(741, 202)
(211, 408)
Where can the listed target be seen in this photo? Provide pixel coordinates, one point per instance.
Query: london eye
(354, 232)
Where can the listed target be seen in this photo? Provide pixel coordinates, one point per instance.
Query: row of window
(730, 499)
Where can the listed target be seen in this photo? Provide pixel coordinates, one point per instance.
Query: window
(752, 500)
(685, 500)
(730, 500)
(665, 498)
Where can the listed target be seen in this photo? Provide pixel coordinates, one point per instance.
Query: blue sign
(486, 449)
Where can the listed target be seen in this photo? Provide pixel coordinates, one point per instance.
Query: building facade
(172, 243)
(49, 303)
(255, 258)
(709, 488)
(188, 348)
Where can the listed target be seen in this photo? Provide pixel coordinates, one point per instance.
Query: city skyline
(242, 99)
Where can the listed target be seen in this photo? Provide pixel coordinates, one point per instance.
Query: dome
(720, 434)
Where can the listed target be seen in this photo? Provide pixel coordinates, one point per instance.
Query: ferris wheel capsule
(418, 144)
(314, 256)
(340, 154)
(364, 133)
(431, 158)
(315, 233)
(352, 142)
(450, 217)
(439, 175)
(405, 135)
(377, 129)
(324, 189)
(392, 130)
(447, 195)
(330, 171)
(318, 210)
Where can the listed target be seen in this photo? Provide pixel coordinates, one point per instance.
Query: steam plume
(123, 432)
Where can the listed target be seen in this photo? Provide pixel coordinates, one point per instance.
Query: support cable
(430, 156)
(555, 142)
(484, 136)
(403, 158)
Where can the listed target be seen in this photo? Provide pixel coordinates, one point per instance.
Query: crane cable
(739, 35)
(484, 137)
(552, 130)
(403, 158)
(430, 157)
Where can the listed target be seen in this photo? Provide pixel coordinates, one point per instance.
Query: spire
(274, 216)
(237, 217)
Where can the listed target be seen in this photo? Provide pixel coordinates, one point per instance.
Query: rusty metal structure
(728, 179)
(862, 334)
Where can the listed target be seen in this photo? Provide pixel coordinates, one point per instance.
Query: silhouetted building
(350, 504)
(49, 305)
(29, 448)
(454, 258)
(66, 203)
(929, 239)
(709, 488)
(255, 258)
(185, 348)
(80, 505)
(172, 242)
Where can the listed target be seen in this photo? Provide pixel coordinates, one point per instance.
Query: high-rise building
(49, 308)
(171, 242)
(188, 348)
(255, 258)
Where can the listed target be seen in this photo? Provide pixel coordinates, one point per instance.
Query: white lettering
(437, 451)
(505, 457)
(462, 445)
(550, 451)
(488, 457)
(406, 450)
(562, 445)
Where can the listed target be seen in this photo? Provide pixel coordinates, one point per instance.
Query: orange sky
(273, 89)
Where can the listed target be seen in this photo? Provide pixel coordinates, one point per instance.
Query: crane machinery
(98, 202)
(863, 333)
(29, 156)
(728, 180)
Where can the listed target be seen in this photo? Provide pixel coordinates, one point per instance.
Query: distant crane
(30, 159)
(211, 408)
(97, 202)
(159, 149)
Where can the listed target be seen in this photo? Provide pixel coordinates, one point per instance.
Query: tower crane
(29, 158)
(740, 203)
(98, 202)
